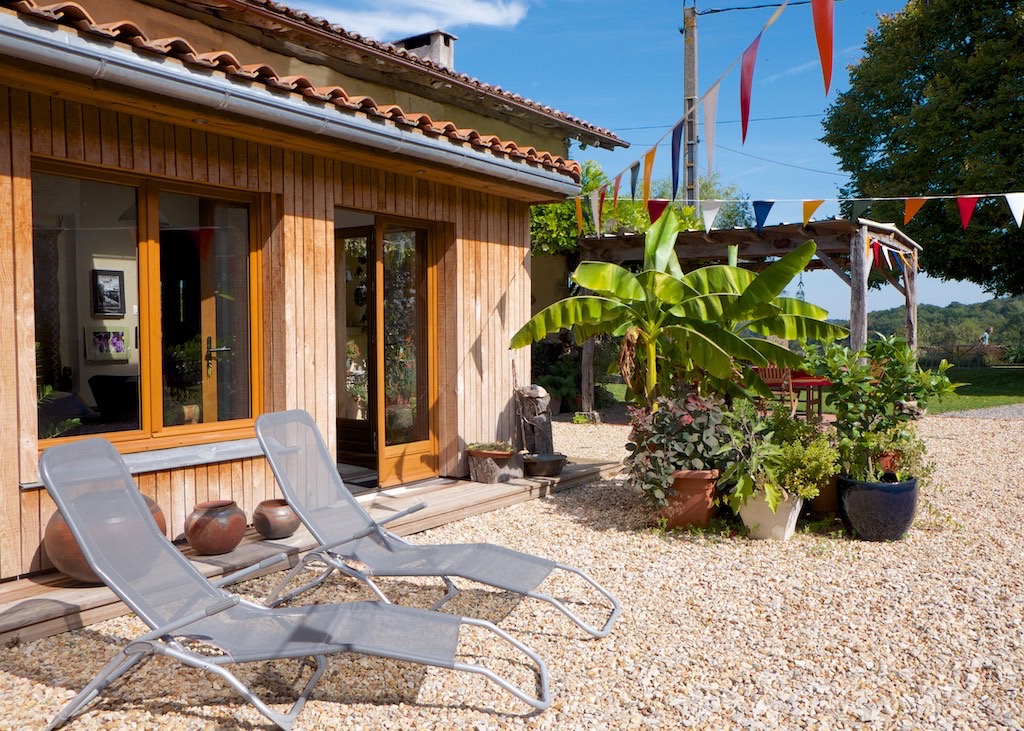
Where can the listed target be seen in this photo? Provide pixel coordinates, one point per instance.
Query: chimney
(437, 46)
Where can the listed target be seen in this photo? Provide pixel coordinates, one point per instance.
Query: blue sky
(619, 65)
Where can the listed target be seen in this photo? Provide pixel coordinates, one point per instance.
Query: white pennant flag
(595, 210)
(709, 209)
(885, 253)
(1016, 203)
(710, 112)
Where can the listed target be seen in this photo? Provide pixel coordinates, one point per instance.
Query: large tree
(936, 107)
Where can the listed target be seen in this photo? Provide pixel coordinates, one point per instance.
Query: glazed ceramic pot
(64, 553)
(214, 527)
(275, 519)
(878, 511)
(692, 500)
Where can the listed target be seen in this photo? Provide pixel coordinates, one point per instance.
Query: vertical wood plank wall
(481, 244)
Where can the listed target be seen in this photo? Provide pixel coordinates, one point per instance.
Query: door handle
(210, 350)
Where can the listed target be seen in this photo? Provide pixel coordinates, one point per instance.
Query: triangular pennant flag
(901, 262)
(708, 211)
(746, 80)
(876, 253)
(634, 175)
(823, 11)
(1016, 203)
(761, 209)
(656, 207)
(648, 169)
(579, 217)
(677, 139)
(595, 211)
(910, 208)
(602, 191)
(885, 253)
(615, 192)
(809, 208)
(859, 206)
(966, 204)
(710, 112)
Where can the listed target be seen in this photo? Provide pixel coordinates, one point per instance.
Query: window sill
(174, 458)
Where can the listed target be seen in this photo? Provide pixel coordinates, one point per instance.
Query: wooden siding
(481, 249)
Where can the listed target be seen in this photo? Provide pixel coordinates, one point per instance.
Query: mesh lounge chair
(111, 522)
(309, 479)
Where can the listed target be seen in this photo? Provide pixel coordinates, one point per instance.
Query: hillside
(958, 323)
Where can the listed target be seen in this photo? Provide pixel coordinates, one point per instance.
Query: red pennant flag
(822, 12)
(600, 206)
(656, 207)
(876, 252)
(966, 204)
(746, 80)
(910, 208)
(615, 192)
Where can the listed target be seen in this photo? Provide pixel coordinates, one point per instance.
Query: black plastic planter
(878, 511)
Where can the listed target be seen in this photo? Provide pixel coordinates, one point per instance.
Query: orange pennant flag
(822, 12)
(809, 208)
(648, 168)
(910, 208)
(615, 193)
(579, 217)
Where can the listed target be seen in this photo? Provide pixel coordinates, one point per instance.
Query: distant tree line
(958, 324)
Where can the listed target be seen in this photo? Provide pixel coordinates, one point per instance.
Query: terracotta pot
(275, 519)
(827, 500)
(64, 553)
(214, 527)
(691, 502)
(878, 511)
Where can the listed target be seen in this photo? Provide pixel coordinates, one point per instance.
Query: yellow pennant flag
(809, 208)
(579, 217)
(911, 207)
(648, 168)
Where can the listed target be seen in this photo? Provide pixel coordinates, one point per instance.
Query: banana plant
(711, 321)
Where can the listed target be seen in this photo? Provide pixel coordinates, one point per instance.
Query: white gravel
(718, 632)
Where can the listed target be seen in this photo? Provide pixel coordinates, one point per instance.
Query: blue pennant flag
(677, 138)
(761, 209)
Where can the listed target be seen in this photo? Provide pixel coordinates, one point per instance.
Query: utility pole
(690, 127)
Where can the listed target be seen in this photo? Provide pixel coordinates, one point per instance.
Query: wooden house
(218, 208)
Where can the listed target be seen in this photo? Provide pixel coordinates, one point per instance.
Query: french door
(386, 393)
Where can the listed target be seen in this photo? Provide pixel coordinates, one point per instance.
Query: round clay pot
(692, 500)
(214, 527)
(64, 553)
(275, 519)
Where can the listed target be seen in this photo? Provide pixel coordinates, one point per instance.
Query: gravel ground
(820, 632)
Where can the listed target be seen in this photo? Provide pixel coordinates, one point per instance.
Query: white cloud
(387, 20)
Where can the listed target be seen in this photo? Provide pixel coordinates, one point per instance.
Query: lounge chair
(111, 522)
(309, 480)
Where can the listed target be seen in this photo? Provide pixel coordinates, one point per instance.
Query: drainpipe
(49, 46)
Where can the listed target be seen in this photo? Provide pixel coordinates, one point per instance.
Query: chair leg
(274, 600)
(453, 591)
(121, 663)
(616, 608)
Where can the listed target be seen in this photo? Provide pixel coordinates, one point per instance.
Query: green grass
(985, 387)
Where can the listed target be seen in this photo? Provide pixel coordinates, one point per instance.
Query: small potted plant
(674, 457)
(876, 394)
(489, 462)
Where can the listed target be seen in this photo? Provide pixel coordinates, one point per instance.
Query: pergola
(847, 247)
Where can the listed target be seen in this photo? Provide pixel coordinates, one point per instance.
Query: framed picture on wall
(107, 293)
(106, 344)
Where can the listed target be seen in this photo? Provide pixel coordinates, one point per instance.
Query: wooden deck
(48, 604)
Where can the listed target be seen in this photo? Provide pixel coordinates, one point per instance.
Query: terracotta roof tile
(126, 31)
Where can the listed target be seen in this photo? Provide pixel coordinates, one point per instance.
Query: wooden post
(910, 287)
(859, 270)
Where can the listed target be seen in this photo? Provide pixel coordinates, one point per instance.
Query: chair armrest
(171, 627)
(369, 529)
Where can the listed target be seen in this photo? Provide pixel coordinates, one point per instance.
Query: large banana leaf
(565, 314)
(720, 278)
(664, 288)
(609, 280)
(770, 283)
(775, 353)
(660, 247)
(704, 306)
(735, 345)
(701, 349)
(792, 306)
(797, 327)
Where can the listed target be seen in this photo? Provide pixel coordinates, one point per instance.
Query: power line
(711, 11)
(784, 164)
(727, 121)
